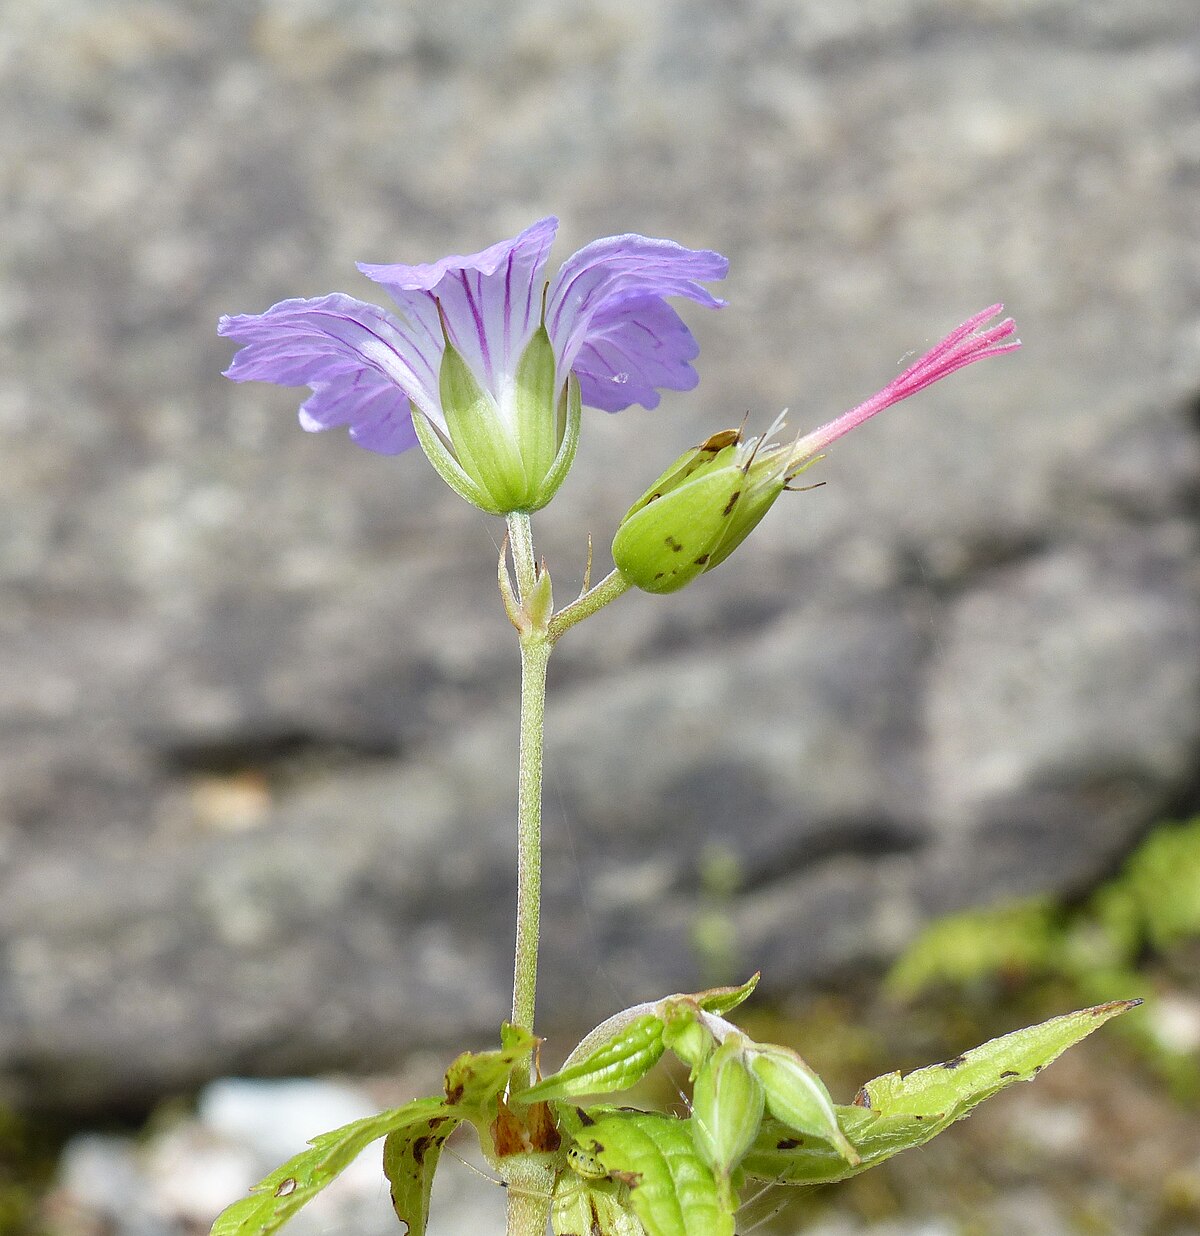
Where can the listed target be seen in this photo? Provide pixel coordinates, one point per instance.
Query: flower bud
(796, 1096)
(685, 1033)
(508, 451)
(727, 1109)
(699, 511)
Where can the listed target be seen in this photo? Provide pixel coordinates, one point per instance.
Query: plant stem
(529, 1191)
(608, 589)
(520, 538)
(535, 653)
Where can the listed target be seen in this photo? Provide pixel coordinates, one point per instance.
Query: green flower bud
(796, 1096)
(685, 1033)
(727, 1109)
(508, 451)
(700, 510)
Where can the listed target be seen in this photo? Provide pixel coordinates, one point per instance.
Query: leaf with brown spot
(894, 1113)
(274, 1200)
(474, 1079)
(410, 1158)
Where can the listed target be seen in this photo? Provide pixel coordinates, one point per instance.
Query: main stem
(535, 654)
(530, 1180)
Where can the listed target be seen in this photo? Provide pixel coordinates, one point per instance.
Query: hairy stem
(520, 538)
(529, 1190)
(608, 589)
(535, 653)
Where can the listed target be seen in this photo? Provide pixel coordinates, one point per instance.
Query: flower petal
(634, 345)
(491, 301)
(617, 269)
(363, 366)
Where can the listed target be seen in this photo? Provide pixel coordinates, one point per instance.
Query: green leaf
(476, 1078)
(672, 1190)
(722, 1000)
(616, 1064)
(287, 1189)
(592, 1208)
(893, 1113)
(952, 1088)
(410, 1157)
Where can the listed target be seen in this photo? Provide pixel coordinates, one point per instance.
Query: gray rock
(257, 695)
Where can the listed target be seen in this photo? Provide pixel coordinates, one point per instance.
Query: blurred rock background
(257, 694)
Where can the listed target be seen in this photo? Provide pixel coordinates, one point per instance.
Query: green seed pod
(797, 1096)
(667, 537)
(727, 1108)
(700, 510)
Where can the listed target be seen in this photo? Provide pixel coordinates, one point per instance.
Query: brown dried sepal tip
(533, 1130)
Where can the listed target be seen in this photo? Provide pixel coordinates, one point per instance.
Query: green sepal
(685, 1034)
(474, 1079)
(894, 1113)
(410, 1158)
(722, 1000)
(447, 467)
(592, 1207)
(276, 1198)
(690, 462)
(535, 409)
(757, 499)
(616, 1064)
(570, 413)
(671, 1189)
(482, 441)
(796, 1096)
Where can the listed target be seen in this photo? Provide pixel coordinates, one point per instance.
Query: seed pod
(727, 1110)
(667, 537)
(797, 1096)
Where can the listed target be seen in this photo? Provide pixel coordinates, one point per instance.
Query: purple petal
(617, 270)
(491, 301)
(634, 347)
(363, 366)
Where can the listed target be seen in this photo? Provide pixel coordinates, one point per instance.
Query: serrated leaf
(955, 1086)
(722, 1000)
(894, 1113)
(410, 1157)
(671, 1188)
(616, 1064)
(474, 1079)
(592, 1208)
(287, 1189)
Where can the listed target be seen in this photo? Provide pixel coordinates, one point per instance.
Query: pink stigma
(962, 346)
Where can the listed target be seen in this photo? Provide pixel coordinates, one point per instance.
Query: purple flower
(486, 362)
